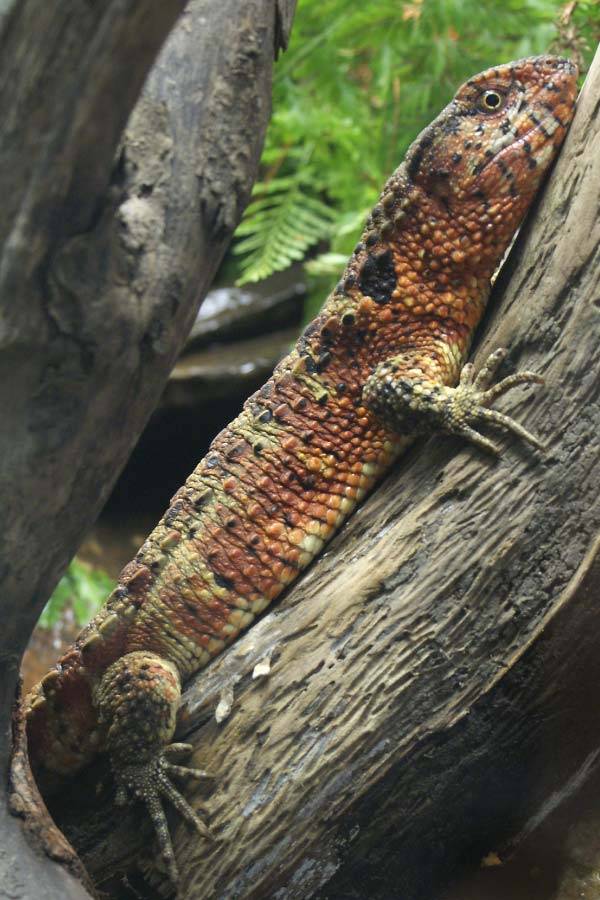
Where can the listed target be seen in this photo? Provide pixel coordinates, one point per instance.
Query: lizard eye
(491, 101)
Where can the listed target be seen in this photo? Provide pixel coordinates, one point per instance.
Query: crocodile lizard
(381, 363)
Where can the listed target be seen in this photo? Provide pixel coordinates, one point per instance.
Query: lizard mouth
(511, 142)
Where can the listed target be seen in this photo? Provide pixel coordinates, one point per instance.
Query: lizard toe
(150, 782)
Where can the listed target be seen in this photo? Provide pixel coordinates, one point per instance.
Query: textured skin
(375, 368)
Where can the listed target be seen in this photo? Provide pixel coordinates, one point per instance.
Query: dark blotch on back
(378, 277)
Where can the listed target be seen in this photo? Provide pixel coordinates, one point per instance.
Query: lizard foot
(409, 402)
(150, 782)
(470, 402)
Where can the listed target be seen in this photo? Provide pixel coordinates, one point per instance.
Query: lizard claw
(473, 397)
(150, 782)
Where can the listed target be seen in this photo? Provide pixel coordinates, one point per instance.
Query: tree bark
(108, 245)
(427, 675)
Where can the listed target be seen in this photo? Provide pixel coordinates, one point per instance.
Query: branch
(107, 252)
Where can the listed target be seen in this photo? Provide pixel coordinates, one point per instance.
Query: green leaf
(82, 588)
(281, 224)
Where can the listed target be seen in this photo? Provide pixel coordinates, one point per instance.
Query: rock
(224, 372)
(232, 313)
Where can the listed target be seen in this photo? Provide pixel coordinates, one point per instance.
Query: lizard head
(498, 136)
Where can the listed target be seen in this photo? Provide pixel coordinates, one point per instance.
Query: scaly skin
(376, 367)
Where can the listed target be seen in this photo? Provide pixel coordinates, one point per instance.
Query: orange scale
(277, 568)
(272, 589)
(331, 517)
(371, 456)
(252, 574)
(317, 511)
(296, 535)
(288, 574)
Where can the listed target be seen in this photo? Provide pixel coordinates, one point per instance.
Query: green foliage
(81, 588)
(357, 84)
(284, 219)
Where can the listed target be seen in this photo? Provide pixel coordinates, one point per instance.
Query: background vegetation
(358, 83)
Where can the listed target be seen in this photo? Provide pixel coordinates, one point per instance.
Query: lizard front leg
(407, 397)
(137, 702)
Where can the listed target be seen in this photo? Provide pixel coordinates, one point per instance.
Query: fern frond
(282, 222)
(326, 265)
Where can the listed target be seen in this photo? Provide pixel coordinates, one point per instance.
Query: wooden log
(109, 243)
(427, 676)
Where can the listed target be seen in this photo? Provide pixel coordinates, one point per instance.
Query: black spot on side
(175, 509)
(378, 277)
(416, 157)
(222, 581)
(238, 449)
(309, 364)
(311, 329)
(456, 158)
(323, 361)
(505, 126)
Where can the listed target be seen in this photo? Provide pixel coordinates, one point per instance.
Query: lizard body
(377, 366)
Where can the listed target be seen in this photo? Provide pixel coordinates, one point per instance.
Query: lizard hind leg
(405, 399)
(137, 701)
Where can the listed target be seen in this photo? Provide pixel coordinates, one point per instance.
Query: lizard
(383, 362)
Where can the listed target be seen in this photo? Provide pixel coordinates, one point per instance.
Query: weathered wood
(420, 701)
(106, 253)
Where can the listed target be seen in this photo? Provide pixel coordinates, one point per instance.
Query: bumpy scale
(379, 365)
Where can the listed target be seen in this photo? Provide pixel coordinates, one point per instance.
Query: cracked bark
(109, 242)
(428, 675)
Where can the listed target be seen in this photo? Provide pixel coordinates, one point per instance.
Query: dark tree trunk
(428, 675)
(109, 242)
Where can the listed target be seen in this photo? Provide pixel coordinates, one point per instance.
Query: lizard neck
(424, 253)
